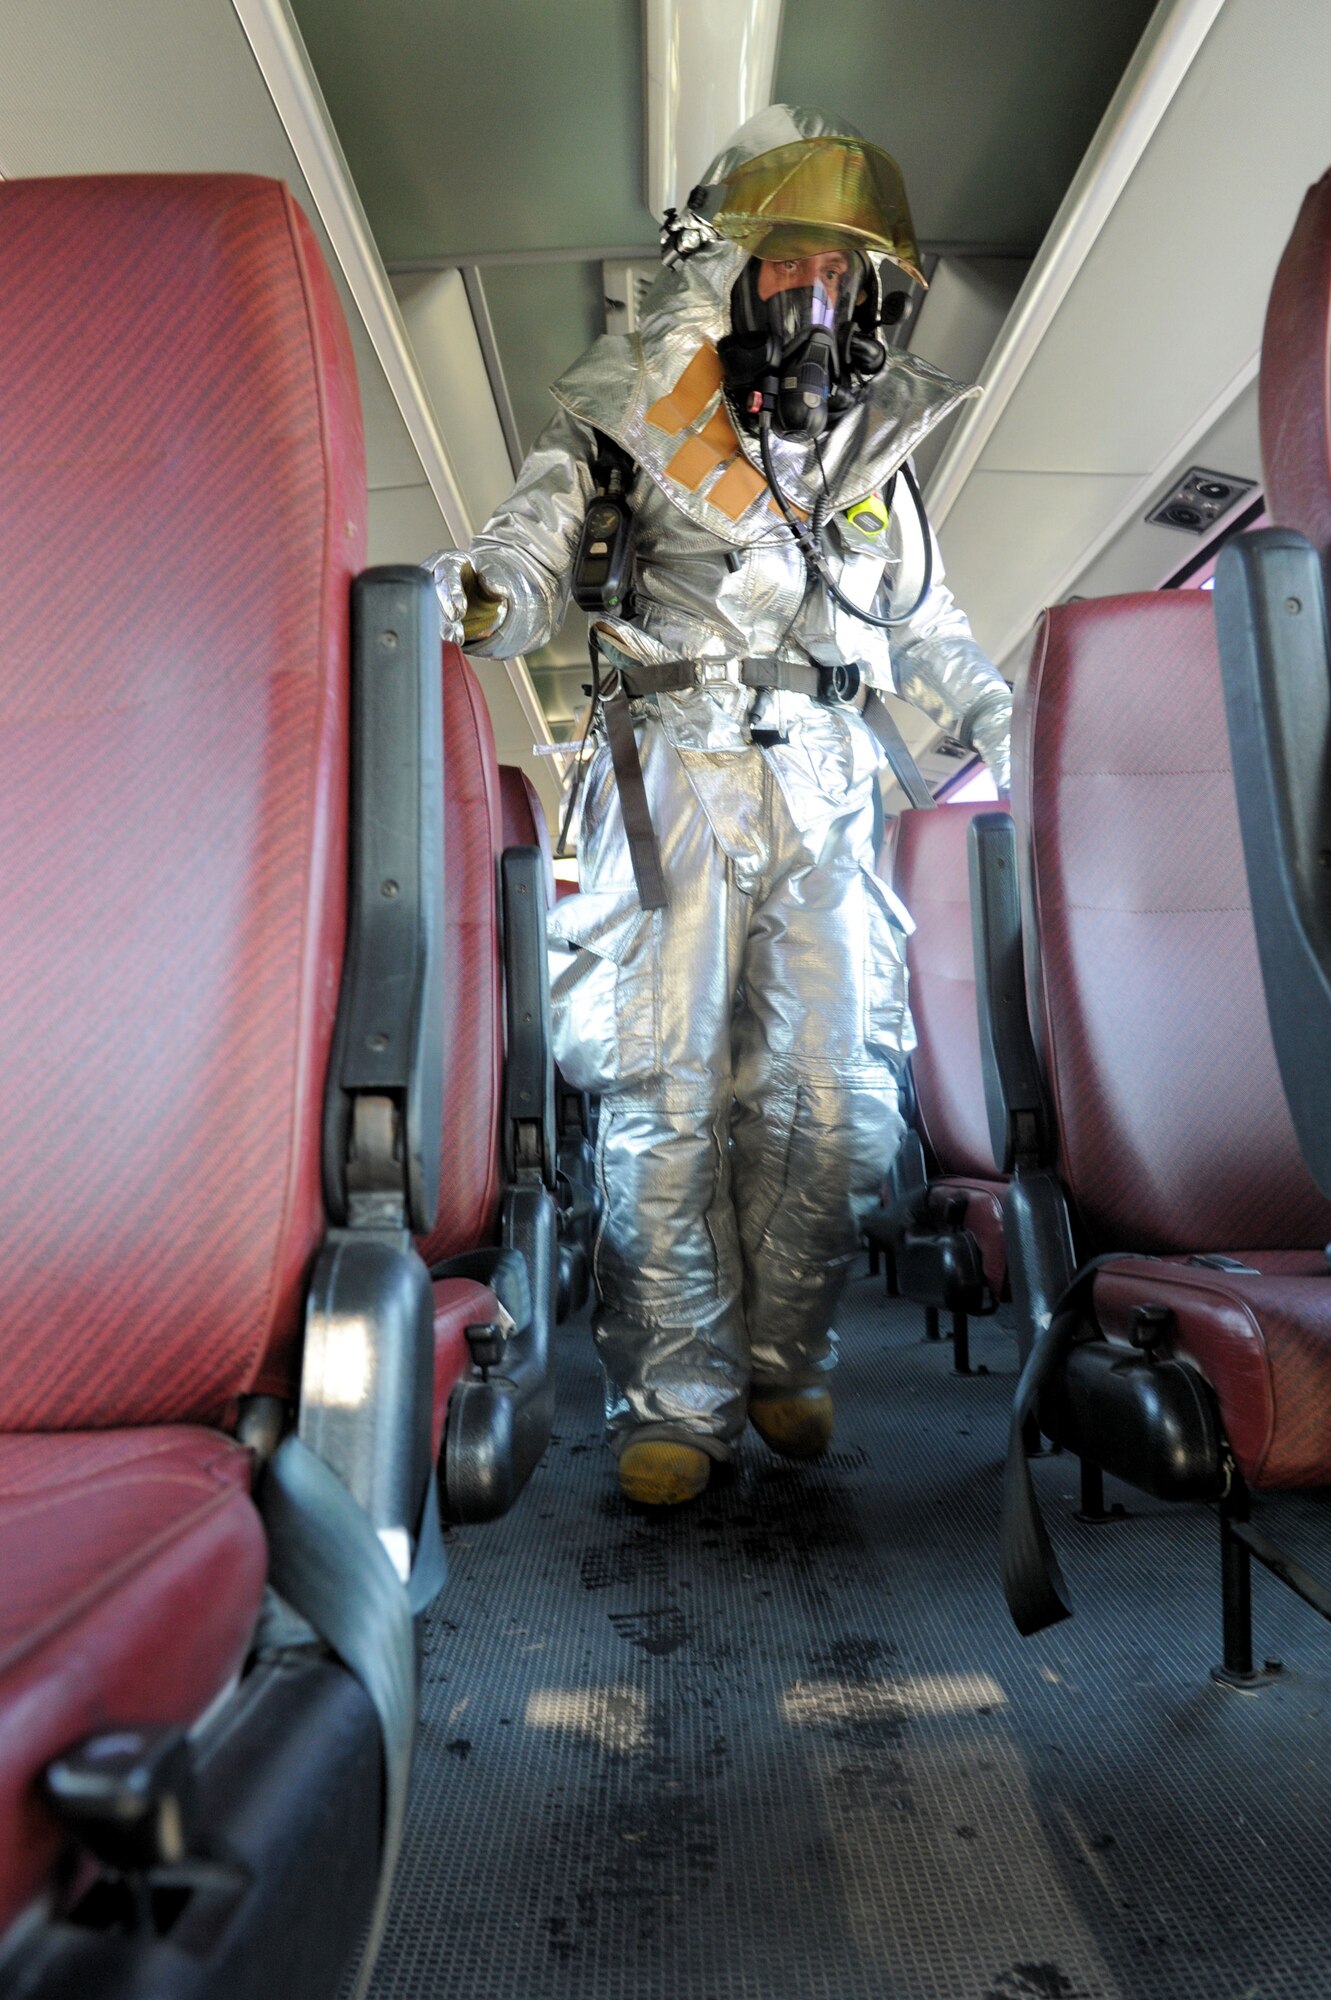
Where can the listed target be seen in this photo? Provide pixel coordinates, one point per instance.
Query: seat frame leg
(931, 1331)
(1092, 1509)
(1237, 1669)
(961, 1343)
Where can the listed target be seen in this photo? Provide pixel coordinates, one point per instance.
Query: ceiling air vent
(625, 285)
(1199, 499)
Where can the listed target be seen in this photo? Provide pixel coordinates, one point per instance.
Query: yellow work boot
(657, 1472)
(797, 1423)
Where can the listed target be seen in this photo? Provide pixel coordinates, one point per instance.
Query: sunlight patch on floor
(614, 1718)
(809, 1704)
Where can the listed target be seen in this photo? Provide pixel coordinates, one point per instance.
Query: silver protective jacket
(719, 576)
(746, 1040)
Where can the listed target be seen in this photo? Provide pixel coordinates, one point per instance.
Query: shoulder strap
(610, 463)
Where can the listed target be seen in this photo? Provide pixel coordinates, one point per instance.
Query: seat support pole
(1236, 1602)
(1092, 1509)
(1237, 1669)
(961, 1343)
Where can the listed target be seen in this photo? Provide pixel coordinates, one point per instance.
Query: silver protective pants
(745, 1043)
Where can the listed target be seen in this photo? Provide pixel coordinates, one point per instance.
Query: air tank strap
(644, 848)
(897, 751)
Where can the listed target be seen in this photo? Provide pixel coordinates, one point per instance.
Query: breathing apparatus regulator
(801, 354)
(798, 361)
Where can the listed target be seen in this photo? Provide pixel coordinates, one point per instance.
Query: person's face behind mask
(805, 300)
(824, 275)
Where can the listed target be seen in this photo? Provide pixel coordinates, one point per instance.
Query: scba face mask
(799, 347)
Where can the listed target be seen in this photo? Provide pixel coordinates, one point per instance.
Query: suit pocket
(603, 991)
(887, 1026)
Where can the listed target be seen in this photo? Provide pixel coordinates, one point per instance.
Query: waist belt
(834, 686)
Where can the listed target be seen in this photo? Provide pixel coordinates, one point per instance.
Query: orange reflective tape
(794, 507)
(692, 463)
(719, 432)
(690, 396)
(736, 489)
(701, 454)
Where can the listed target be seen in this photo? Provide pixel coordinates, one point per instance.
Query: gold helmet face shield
(814, 195)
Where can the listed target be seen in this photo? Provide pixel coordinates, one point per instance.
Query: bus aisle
(785, 1745)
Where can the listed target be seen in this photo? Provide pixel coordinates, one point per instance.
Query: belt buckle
(766, 737)
(840, 683)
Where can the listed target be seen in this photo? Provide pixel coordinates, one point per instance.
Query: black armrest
(529, 1064)
(1276, 666)
(389, 1038)
(1019, 1128)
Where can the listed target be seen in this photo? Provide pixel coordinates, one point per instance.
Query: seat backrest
(1294, 392)
(470, 1177)
(930, 873)
(182, 508)
(524, 823)
(1146, 995)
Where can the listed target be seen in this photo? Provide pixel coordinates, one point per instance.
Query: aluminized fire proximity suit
(745, 1041)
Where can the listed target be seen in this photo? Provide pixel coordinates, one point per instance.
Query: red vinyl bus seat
(471, 1171)
(931, 877)
(523, 822)
(942, 1221)
(1173, 1141)
(490, 1435)
(182, 510)
(524, 825)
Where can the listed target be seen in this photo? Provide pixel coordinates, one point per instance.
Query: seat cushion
(983, 1218)
(1146, 991)
(1296, 367)
(931, 874)
(133, 1565)
(1263, 1342)
(473, 1034)
(458, 1304)
(524, 822)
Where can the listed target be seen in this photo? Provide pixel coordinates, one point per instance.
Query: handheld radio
(603, 564)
